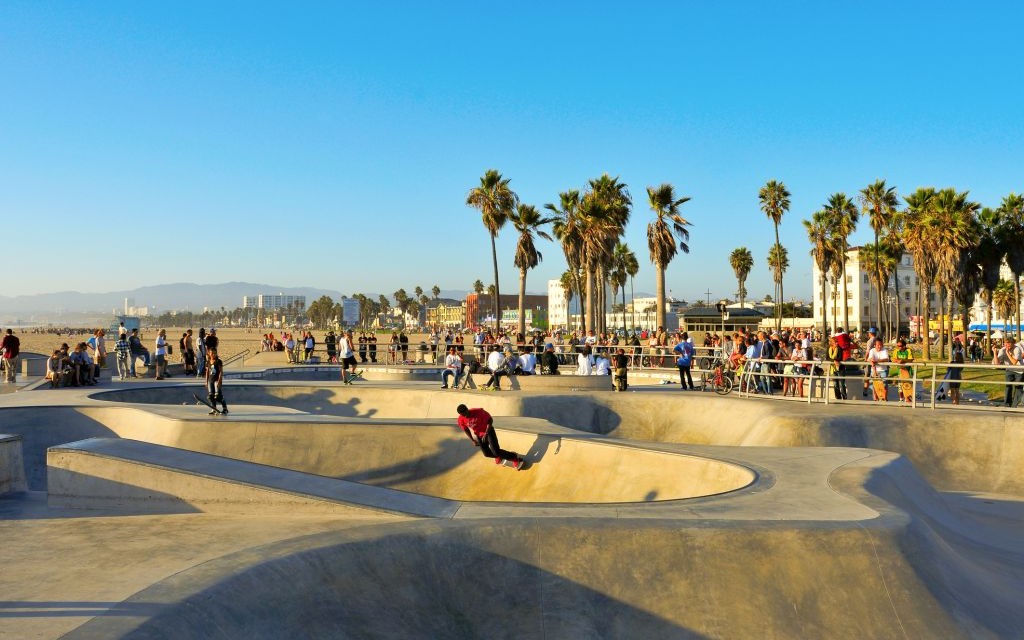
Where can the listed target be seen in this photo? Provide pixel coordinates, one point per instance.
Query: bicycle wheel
(704, 380)
(704, 364)
(725, 388)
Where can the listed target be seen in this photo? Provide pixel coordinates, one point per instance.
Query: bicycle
(718, 378)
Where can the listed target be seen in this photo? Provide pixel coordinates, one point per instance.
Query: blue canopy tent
(996, 326)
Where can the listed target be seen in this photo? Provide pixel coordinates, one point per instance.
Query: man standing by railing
(1009, 356)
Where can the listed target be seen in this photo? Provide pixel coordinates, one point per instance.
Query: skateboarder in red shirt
(479, 426)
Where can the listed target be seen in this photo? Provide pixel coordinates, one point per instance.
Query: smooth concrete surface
(109, 473)
(839, 541)
(12, 464)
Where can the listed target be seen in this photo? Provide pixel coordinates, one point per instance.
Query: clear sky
(332, 144)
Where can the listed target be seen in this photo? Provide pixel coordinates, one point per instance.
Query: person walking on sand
(478, 425)
(11, 347)
(215, 381)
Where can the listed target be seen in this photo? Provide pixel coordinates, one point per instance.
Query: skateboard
(358, 375)
(510, 463)
(204, 401)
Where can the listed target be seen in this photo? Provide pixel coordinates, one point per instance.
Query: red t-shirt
(11, 346)
(476, 421)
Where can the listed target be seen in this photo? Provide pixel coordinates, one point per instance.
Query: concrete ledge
(12, 465)
(561, 382)
(113, 473)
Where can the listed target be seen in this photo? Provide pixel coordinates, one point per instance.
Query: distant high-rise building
(270, 301)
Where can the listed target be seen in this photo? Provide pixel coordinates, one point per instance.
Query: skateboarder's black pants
(214, 395)
(489, 447)
(685, 379)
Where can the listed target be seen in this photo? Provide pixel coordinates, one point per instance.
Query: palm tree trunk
(659, 285)
(878, 278)
(824, 332)
(988, 323)
(590, 300)
(632, 302)
(1016, 304)
(497, 291)
(846, 305)
(778, 285)
(926, 311)
(942, 321)
(522, 301)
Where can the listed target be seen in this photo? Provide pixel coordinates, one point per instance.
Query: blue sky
(333, 144)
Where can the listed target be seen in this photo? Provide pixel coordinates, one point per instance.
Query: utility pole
(708, 294)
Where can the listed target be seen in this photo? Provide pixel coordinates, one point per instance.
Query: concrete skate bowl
(558, 579)
(955, 451)
(416, 456)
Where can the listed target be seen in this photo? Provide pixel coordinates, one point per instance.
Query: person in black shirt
(620, 362)
(549, 361)
(215, 380)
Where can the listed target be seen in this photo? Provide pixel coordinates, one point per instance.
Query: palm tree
(742, 262)
(496, 201)
(844, 215)
(527, 221)
(662, 234)
(885, 266)
(917, 242)
(478, 287)
(624, 265)
(606, 208)
(1012, 237)
(819, 232)
(952, 233)
(989, 256)
(384, 305)
(570, 282)
(778, 261)
(774, 198)
(1006, 299)
(435, 291)
(879, 203)
(568, 228)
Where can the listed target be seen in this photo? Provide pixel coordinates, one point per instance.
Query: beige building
(860, 297)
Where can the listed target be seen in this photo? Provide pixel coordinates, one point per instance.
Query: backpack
(92, 342)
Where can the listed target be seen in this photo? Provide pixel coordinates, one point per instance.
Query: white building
(270, 301)
(860, 296)
(558, 306)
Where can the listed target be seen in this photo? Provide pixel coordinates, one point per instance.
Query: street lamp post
(890, 301)
(722, 306)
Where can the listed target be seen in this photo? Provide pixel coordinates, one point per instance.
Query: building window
(865, 278)
(866, 312)
(906, 296)
(906, 280)
(849, 295)
(849, 279)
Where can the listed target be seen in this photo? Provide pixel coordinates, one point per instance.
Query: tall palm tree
(624, 265)
(741, 262)
(989, 256)
(606, 209)
(917, 243)
(527, 221)
(774, 199)
(384, 305)
(569, 229)
(819, 233)
(1006, 299)
(952, 232)
(844, 216)
(1012, 235)
(885, 266)
(495, 200)
(667, 228)
(478, 287)
(879, 203)
(570, 284)
(435, 291)
(778, 261)
(892, 243)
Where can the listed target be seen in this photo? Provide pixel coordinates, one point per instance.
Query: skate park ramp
(801, 542)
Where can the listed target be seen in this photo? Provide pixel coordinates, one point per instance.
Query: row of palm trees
(369, 309)
(589, 225)
(956, 247)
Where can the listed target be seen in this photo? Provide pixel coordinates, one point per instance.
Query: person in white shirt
(602, 367)
(527, 362)
(348, 356)
(585, 362)
(496, 363)
(452, 367)
(161, 354)
(878, 369)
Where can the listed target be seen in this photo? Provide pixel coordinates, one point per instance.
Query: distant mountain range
(68, 307)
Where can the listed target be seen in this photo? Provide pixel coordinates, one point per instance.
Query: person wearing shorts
(348, 356)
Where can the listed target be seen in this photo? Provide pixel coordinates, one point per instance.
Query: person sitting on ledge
(548, 360)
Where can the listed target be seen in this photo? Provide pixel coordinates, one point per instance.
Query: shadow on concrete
(426, 584)
(448, 455)
(76, 609)
(93, 496)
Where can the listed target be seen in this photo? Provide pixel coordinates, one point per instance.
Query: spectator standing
(684, 361)
(11, 348)
(123, 356)
(201, 353)
(160, 351)
(1010, 356)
